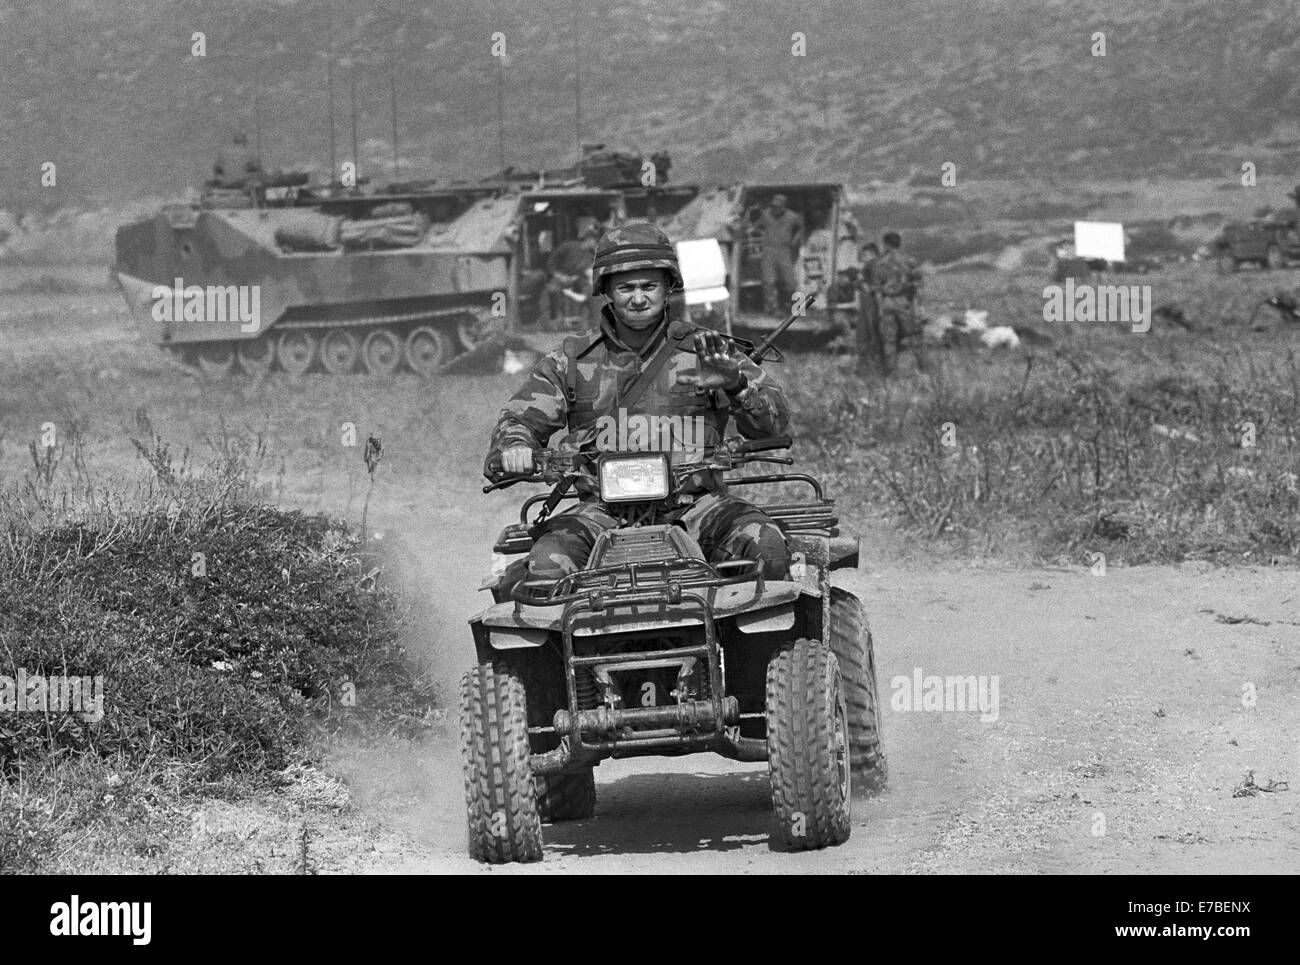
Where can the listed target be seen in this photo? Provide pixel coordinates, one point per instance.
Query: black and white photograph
(651, 437)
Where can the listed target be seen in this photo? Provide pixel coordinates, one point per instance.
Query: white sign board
(703, 270)
(1099, 239)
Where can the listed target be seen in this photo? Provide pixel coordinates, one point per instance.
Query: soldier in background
(1291, 216)
(237, 166)
(843, 291)
(782, 232)
(895, 280)
(568, 269)
(867, 257)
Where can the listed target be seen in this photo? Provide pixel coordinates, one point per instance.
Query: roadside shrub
(227, 633)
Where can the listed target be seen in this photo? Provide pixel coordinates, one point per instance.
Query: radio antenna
(356, 162)
(329, 86)
(392, 101)
(577, 86)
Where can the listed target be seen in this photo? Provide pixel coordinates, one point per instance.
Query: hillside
(108, 89)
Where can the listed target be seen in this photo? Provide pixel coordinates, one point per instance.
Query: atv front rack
(632, 582)
(702, 723)
(705, 722)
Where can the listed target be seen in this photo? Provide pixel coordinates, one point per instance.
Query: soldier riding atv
(662, 614)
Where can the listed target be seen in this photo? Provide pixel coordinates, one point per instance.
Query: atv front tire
(808, 746)
(850, 638)
(500, 799)
(566, 797)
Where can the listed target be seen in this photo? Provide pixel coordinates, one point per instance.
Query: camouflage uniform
(896, 278)
(782, 234)
(568, 267)
(236, 165)
(576, 384)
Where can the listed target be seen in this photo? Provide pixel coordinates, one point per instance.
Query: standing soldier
(569, 270)
(895, 280)
(782, 234)
(236, 165)
(867, 257)
(871, 344)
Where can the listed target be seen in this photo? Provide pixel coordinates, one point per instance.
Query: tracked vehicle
(370, 283)
(413, 275)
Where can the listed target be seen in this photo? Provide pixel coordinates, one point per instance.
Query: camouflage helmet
(631, 247)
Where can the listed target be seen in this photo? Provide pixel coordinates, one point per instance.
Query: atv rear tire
(566, 797)
(851, 641)
(500, 798)
(807, 746)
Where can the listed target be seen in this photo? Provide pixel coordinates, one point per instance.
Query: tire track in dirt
(1102, 710)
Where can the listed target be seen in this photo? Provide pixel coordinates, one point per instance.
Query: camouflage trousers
(900, 327)
(726, 528)
(779, 279)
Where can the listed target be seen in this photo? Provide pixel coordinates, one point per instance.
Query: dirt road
(1129, 706)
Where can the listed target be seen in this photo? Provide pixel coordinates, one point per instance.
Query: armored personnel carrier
(297, 277)
(369, 283)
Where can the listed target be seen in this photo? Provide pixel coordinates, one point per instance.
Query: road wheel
(338, 351)
(427, 350)
(381, 352)
(808, 746)
(851, 642)
(215, 358)
(256, 355)
(1227, 263)
(296, 351)
(566, 797)
(500, 799)
(1275, 257)
(477, 328)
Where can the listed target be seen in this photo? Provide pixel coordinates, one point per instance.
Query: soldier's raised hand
(719, 366)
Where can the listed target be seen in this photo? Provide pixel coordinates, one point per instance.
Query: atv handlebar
(746, 446)
(553, 465)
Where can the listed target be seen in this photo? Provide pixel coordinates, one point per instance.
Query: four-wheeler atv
(652, 650)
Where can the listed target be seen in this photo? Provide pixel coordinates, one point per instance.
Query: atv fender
(772, 620)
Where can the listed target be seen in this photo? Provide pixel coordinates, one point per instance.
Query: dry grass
(265, 634)
(1104, 441)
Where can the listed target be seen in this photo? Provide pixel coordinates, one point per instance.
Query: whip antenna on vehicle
(392, 100)
(356, 163)
(577, 86)
(501, 115)
(257, 115)
(329, 88)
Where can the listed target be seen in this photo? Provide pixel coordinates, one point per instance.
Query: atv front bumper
(703, 718)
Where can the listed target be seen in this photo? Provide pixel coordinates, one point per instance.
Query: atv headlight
(633, 477)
